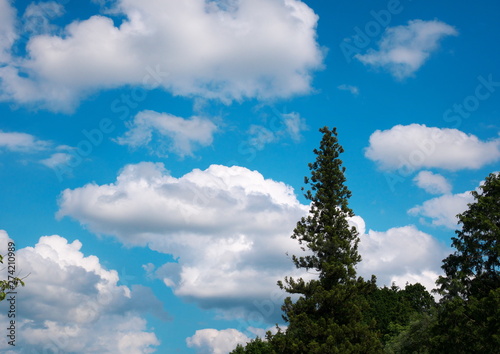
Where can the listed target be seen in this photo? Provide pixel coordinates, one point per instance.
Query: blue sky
(152, 155)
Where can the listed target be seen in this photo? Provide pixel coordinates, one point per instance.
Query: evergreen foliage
(337, 312)
(328, 316)
(469, 316)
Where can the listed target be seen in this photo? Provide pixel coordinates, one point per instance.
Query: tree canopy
(338, 312)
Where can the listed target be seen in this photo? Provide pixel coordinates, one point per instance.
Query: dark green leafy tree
(328, 315)
(394, 309)
(469, 316)
(256, 346)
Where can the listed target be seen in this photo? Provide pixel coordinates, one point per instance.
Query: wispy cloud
(163, 132)
(404, 49)
(289, 126)
(352, 89)
(22, 142)
(56, 159)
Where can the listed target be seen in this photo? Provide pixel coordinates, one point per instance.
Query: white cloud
(443, 210)
(56, 159)
(286, 125)
(404, 49)
(21, 142)
(72, 304)
(163, 132)
(260, 136)
(401, 254)
(212, 341)
(254, 49)
(427, 278)
(294, 124)
(229, 227)
(416, 146)
(352, 89)
(8, 33)
(37, 17)
(432, 183)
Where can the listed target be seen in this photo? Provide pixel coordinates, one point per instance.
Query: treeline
(340, 312)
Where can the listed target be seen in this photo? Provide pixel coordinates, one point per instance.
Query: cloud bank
(230, 229)
(71, 303)
(217, 50)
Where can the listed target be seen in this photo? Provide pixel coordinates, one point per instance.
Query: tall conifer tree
(328, 316)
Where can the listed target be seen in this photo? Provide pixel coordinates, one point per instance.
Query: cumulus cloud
(212, 341)
(229, 227)
(249, 49)
(417, 146)
(21, 142)
(163, 132)
(71, 303)
(432, 183)
(401, 254)
(443, 210)
(404, 49)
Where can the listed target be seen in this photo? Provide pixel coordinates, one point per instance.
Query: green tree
(473, 269)
(255, 346)
(393, 308)
(328, 315)
(469, 316)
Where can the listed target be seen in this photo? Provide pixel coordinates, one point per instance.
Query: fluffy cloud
(72, 304)
(21, 142)
(171, 133)
(404, 49)
(432, 183)
(217, 50)
(230, 229)
(212, 341)
(443, 210)
(229, 226)
(417, 146)
(400, 255)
